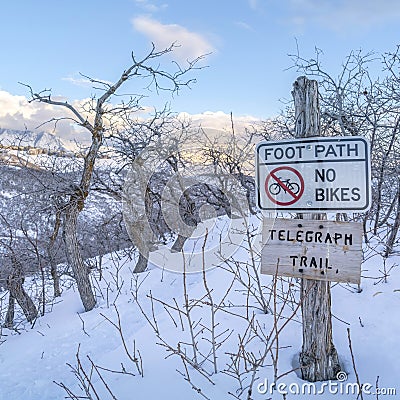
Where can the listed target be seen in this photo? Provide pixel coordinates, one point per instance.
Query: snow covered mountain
(34, 139)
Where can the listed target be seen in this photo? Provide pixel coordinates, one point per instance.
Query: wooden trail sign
(312, 249)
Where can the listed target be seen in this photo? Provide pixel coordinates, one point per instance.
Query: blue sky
(47, 43)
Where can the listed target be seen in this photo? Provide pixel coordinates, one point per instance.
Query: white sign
(314, 174)
(321, 250)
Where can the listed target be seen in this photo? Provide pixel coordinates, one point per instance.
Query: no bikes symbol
(284, 186)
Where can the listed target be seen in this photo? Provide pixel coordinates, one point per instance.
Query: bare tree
(97, 117)
(15, 279)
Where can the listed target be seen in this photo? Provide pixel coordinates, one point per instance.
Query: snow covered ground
(33, 362)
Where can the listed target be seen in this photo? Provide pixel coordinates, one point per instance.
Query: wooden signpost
(310, 175)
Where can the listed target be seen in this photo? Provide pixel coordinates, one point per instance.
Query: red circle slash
(294, 195)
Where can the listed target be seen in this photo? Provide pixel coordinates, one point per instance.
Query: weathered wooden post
(318, 359)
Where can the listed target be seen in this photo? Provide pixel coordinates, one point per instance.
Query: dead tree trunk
(178, 244)
(9, 320)
(74, 257)
(51, 255)
(15, 285)
(319, 360)
(141, 264)
(381, 176)
(396, 226)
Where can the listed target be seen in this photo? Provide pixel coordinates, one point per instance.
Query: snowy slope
(32, 360)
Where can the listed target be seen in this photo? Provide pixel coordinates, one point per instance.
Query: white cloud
(344, 15)
(149, 6)
(192, 44)
(244, 25)
(79, 80)
(220, 120)
(17, 113)
(253, 4)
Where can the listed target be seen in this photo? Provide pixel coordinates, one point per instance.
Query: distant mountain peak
(33, 139)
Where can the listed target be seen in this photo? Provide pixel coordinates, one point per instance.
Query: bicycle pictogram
(283, 184)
